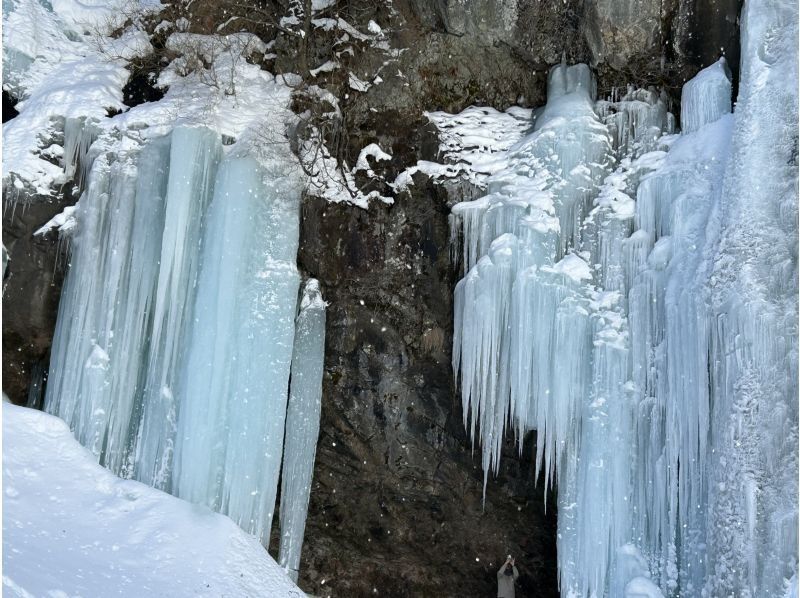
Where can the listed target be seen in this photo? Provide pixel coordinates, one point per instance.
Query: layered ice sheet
(631, 295)
(175, 335)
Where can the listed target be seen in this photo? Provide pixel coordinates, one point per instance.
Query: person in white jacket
(506, 577)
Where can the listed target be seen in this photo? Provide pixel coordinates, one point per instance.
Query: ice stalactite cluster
(629, 294)
(176, 327)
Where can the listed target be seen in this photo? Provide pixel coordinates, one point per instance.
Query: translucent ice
(176, 327)
(302, 424)
(706, 97)
(194, 156)
(102, 328)
(236, 379)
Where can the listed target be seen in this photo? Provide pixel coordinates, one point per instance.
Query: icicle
(194, 156)
(79, 134)
(521, 231)
(302, 424)
(36, 386)
(5, 264)
(484, 344)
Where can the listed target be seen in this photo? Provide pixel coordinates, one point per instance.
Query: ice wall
(302, 424)
(175, 335)
(631, 295)
(753, 470)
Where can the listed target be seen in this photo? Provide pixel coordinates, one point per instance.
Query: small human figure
(506, 577)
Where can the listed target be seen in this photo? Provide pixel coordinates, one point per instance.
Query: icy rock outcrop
(47, 48)
(651, 342)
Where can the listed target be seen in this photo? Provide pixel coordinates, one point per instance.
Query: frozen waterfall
(176, 328)
(630, 294)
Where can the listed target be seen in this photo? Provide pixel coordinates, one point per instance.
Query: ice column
(302, 424)
(753, 468)
(79, 134)
(176, 326)
(102, 327)
(194, 156)
(669, 319)
(231, 420)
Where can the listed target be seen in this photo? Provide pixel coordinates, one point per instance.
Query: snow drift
(71, 528)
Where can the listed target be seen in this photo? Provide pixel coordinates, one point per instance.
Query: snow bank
(72, 528)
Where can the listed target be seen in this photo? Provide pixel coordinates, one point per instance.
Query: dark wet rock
(31, 290)
(9, 106)
(396, 504)
(704, 30)
(141, 86)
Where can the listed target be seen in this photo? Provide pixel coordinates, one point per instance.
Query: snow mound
(70, 527)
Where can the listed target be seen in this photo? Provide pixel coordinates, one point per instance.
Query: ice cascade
(630, 294)
(176, 327)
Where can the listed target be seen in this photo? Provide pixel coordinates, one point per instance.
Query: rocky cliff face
(396, 507)
(396, 504)
(31, 290)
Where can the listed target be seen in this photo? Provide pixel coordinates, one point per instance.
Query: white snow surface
(59, 70)
(71, 528)
(474, 144)
(62, 222)
(67, 73)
